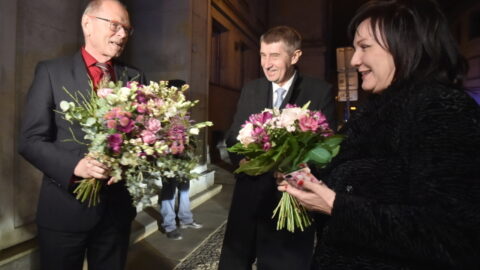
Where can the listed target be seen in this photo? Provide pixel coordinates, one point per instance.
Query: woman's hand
(314, 195)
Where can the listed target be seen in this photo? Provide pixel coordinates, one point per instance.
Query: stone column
(31, 31)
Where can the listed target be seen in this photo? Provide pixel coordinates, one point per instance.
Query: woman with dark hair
(404, 191)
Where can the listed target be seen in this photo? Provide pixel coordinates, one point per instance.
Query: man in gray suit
(251, 233)
(67, 228)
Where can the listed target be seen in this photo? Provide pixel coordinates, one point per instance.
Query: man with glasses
(68, 229)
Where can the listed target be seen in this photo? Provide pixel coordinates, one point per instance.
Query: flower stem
(291, 214)
(88, 189)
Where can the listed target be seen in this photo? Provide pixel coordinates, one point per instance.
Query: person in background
(69, 230)
(251, 232)
(403, 193)
(167, 200)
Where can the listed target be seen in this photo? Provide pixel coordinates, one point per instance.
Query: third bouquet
(284, 140)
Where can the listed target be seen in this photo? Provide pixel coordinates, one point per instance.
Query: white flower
(245, 134)
(124, 94)
(288, 117)
(158, 182)
(194, 131)
(169, 174)
(112, 99)
(64, 105)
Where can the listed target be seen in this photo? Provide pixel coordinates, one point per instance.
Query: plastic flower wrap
(141, 132)
(283, 140)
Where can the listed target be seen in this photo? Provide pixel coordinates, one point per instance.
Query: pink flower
(141, 108)
(141, 97)
(124, 121)
(113, 113)
(267, 146)
(322, 120)
(148, 136)
(115, 142)
(177, 148)
(258, 132)
(126, 127)
(176, 133)
(308, 123)
(140, 118)
(112, 124)
(104, 92)
(261, 118)
(154, 125)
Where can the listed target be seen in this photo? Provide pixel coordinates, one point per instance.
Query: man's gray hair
(94, 5)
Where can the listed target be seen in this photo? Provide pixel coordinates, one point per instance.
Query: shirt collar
(286, 86)
(90, 60)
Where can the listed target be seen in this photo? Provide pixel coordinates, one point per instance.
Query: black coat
(407, 181)
(42, 143)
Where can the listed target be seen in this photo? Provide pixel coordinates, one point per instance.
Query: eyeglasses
(115, 26)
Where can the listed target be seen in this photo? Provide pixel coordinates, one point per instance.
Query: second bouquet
(283, 140)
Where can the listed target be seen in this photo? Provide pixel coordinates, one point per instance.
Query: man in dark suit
(251, 232)
(67, 228)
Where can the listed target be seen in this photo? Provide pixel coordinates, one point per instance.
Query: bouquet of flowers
(141, 132)
(284, 140)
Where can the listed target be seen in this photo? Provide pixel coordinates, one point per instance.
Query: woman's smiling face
(371, 59)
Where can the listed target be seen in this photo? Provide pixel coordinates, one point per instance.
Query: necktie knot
(279, 99)
(105, 71)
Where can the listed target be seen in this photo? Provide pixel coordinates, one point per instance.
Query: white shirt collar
(286, 86)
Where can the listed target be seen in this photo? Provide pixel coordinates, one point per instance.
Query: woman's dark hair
(417, 35)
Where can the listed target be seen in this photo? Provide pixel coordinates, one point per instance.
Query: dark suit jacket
(257, 95)
(42, 143)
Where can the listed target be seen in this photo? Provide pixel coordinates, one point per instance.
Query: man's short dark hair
(417, 35)
(287, 34)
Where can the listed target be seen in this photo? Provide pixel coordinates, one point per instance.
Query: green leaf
(256, 166)
(251, 151)
(90, 122)
(290, 150)
(333, 141)
(335, 150)
(306, 105)
(318, 155)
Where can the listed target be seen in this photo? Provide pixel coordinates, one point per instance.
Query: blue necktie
(279, 99)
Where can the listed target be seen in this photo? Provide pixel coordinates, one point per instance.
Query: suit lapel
(119, 72)
(292, 92)
(80, 75)
(264, 99)
(122, 73)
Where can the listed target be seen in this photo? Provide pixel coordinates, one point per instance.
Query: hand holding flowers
(310, 192)
(281, 140)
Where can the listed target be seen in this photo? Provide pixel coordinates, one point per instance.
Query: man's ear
(85, 25)
(296, 56)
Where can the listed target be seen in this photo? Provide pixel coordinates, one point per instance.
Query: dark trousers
(105, 246)
(251, 233)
